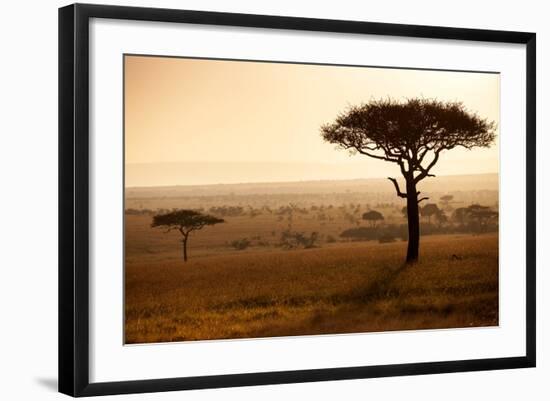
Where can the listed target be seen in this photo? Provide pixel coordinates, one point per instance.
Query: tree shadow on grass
(376, 290)
(365, 295)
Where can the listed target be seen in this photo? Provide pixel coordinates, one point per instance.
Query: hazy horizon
(448, 183)
(466, 189)
(168, 174)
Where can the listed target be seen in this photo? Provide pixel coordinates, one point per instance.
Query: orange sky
(188, 110)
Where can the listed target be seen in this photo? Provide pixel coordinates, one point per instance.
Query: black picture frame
(74, 192)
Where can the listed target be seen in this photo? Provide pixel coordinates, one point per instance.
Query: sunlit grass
(338, 288)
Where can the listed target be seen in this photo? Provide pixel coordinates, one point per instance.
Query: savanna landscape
(270, 199)
(251, 276)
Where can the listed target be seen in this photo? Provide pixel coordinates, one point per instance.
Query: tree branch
(422, 199)
(396, 184)
(388, 159)
(425, 172)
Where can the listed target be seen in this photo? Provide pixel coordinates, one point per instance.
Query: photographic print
(268, 199)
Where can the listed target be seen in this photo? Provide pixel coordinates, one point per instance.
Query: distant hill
(211, 173)
(452, 183)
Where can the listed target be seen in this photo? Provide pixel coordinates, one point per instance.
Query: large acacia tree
(413, 134)
(185, 221)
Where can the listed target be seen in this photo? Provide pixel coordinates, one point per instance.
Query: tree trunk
(413, 222)
(184, 242)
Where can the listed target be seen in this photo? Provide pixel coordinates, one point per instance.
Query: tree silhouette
(185, 221)
(441, 217)
(475, 216)
(446, 202)
(413, 134)
(429, 210)
(482, 215)
(373, 216)
(460, 215)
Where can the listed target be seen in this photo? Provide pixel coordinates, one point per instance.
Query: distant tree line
(472, 219)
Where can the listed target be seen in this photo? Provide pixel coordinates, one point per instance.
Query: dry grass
(338, 288)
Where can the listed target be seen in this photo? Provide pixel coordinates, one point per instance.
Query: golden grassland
(342, 287)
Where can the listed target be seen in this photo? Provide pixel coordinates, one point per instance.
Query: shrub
(290, 240)
(240, 244)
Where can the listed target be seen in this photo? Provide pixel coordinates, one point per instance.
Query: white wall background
(28, 200)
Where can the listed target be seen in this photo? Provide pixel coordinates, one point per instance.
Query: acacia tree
(413, 134)
(429, 210)
(481, 215)
(441, 217)
(446, 202)
(460, 215)
(185, 221)
(373, 216)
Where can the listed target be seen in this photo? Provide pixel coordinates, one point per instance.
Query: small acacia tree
(446, 202)
(460, 215)
(481, 215)
(185, 221)
(373, 216)
(429, 210)
(413, 134)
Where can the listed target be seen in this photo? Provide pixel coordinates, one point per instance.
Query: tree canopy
(429, 210)
(408, 133)
(481, 213)
(373, 215)
(476, 215)
(185, 220)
